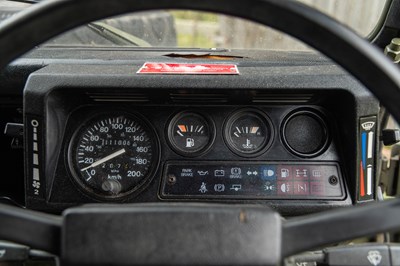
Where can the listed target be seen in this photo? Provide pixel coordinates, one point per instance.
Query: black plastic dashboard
(287, 170)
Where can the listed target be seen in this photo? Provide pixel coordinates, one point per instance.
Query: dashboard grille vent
(118, 97)
(281, 98)
(198, 97)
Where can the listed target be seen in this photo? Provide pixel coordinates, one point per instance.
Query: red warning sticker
(193, 69)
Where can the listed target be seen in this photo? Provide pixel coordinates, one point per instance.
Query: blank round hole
(305, 134)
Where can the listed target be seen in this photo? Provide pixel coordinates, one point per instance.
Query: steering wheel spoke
(300, 234)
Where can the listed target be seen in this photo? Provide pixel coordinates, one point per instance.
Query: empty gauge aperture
(248, 132)
(190, 134)
(305, 133)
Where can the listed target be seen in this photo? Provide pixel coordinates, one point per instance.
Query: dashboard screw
(393, 50)
(171, 180)
(333, 180)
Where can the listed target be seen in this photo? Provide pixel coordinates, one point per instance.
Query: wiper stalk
(117, 36)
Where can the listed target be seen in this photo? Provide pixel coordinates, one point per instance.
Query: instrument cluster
(115, 155)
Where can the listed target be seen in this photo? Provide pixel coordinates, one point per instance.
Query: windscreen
(192, 29)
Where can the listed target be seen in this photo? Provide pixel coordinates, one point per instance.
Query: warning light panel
(255, 180)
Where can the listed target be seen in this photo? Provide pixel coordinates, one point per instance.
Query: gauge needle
(105, 159)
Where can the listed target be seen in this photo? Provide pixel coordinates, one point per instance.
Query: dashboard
(104, 133)
(235, 155)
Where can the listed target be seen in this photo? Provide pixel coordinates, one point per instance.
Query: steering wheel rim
(357, 56)
(35, 25)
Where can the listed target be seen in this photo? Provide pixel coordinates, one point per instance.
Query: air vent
(198, 97)
(281, 98)
(118, 97)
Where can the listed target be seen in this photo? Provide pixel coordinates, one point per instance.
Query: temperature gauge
(190, 134)
(248, 132)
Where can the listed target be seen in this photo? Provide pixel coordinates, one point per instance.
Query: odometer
(111, 156)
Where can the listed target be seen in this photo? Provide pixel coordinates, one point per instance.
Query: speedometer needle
(105, 159)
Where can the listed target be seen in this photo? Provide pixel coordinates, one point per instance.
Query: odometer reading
(112, 155)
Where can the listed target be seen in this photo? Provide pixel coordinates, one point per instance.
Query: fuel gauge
(190, 134)
(248, 132)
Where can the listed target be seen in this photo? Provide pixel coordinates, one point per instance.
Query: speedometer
(112, 156)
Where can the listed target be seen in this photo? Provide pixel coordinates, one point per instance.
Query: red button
(317, 188)
(284, 172)
(316, 173)
(300, 188)
(301, 173)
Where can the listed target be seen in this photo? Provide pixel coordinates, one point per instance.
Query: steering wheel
(183, 233)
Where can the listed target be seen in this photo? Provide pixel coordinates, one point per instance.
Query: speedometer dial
(113, 155)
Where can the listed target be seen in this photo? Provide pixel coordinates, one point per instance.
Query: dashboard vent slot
(198, 97)
(281, 98)
(119, 97)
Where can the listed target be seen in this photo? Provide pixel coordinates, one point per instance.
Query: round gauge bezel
(135, 190)
(238, 114)
(319, 116)
(171, 142)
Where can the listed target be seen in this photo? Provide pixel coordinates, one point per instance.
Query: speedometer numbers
(248, 132)
(113, 155)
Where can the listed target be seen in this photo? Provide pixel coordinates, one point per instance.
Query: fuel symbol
(190, 134)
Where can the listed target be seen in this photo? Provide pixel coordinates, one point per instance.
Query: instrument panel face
(113, 152)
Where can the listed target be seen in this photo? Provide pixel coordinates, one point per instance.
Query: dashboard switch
(13, 252)
(14, 130)
(374, 255)
(390, 136)
(395, 254)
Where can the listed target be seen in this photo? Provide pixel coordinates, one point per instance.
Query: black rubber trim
(45, 20)
(34, 229)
